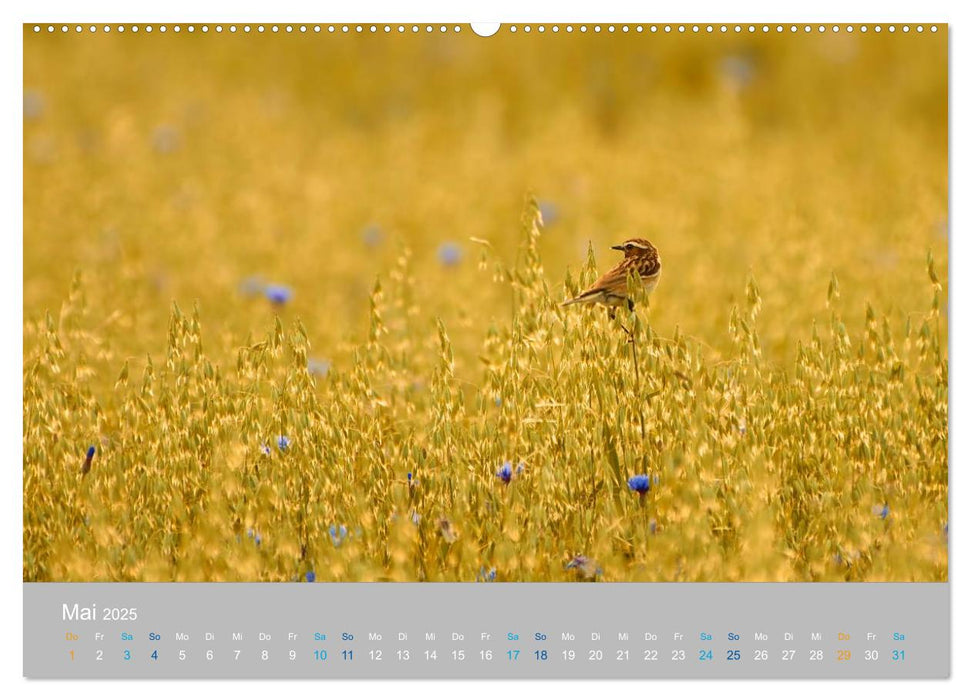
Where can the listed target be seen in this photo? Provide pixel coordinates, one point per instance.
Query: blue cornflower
(372, 236)
(882, 511)
(319, 368)
(520, 468)
(584, 566)
(283, 443)
(641, 483)
(737, 70)
(505, 472)
(265, 449)
(449, 254)
(258, 539)
(337, 535)
(311, 577)
(486, 576)
(87, 461)
(549, 211)
(279, 294)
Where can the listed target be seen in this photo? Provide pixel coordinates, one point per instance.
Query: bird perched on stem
(640, 257)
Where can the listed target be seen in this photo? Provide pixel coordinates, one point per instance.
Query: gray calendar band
(432, 630)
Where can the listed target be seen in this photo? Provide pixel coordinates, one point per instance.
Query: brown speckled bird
(611, 289)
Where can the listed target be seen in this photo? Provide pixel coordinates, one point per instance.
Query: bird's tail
(587, 297)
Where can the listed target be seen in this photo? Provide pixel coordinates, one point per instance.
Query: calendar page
(545, 350)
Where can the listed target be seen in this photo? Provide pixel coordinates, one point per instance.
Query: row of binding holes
(414, 28)
(259, 28)
(723, 28)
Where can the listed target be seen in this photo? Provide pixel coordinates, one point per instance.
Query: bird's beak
(617, 247)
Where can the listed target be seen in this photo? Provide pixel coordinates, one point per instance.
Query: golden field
(420, 204)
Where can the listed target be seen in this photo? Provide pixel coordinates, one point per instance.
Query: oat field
(300, 294)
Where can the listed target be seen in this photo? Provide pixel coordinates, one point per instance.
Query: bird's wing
(612, 282)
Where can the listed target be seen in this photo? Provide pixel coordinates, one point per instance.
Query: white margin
(421, 11)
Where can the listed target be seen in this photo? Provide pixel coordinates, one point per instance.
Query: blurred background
(205, 167)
